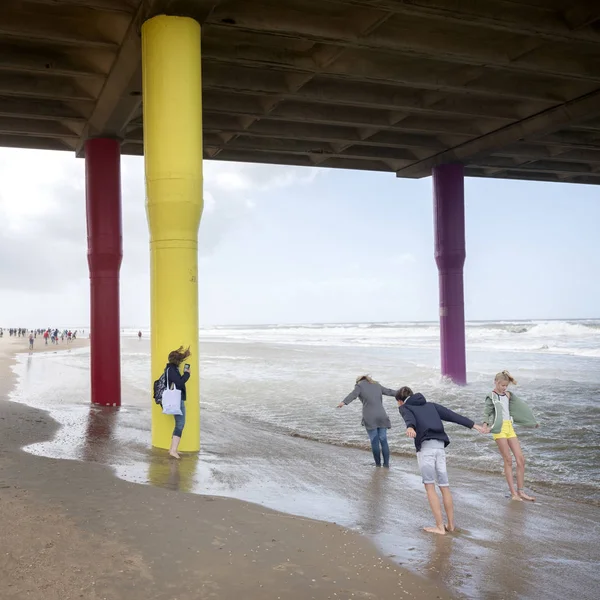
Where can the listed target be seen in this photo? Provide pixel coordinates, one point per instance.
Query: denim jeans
(379, 445)
(180, 421)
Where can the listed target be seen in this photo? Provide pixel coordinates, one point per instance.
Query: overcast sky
(291, 245)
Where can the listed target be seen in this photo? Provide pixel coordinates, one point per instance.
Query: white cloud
(31, 191)
(228, 180)
(338, 285)
(242, 177)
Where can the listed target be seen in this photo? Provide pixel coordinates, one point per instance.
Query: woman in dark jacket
(175, 378)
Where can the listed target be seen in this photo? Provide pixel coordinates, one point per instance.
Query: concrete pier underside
(510, 88)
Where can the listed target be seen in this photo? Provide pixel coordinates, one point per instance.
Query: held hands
(482, 428)
(411, 433)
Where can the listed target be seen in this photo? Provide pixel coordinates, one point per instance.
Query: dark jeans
(379, 445)
(180, 421)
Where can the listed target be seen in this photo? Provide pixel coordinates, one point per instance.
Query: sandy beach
(241, 514)
(71, 529)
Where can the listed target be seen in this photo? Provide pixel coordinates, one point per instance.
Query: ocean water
(289, 379)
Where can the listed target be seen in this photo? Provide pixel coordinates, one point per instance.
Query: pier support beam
(449, 215)
(172, 97)
(105, 253)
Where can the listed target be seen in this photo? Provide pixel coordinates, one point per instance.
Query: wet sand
(71, 529)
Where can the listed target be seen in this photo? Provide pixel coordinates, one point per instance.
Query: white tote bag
(171, 400)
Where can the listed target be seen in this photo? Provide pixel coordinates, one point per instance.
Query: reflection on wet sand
(438, 565)
(176, 475)
(489, 571)
(99, 444)
(374, 502)
(511, 527)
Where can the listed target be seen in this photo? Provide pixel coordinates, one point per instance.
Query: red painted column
(450, 254)
(105, 252)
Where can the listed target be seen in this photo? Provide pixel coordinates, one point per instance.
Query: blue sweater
(176, 378)
(426, 419)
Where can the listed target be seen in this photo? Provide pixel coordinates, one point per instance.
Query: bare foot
(517, 498)
(438, 530)
(450, 528)
(525, 496)
(174, 454)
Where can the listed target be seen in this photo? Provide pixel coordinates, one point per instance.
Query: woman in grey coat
(374, 417)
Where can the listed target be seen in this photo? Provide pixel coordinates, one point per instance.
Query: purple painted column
(449, 215)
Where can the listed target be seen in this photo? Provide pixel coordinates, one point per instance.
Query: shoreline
(547, 550)
(74, 529)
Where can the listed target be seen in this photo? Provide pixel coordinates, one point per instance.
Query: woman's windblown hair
(365, 378)
(178, 356)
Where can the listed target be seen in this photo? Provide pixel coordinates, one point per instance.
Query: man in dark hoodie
(424, 424)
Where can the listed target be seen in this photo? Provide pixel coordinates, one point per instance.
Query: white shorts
(432, 463)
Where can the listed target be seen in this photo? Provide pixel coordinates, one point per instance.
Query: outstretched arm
(388, 392)
(353, 395)
(449, 415)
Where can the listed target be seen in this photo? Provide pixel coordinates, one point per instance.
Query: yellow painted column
(172, 96)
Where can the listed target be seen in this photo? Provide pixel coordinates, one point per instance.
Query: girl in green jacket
(502, 409)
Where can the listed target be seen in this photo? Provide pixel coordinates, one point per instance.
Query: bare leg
(448, 506)
(436, 509)
(515, 446)
(174, 446)
(508, 471)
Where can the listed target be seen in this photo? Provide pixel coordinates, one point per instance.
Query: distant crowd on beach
(48, 334)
